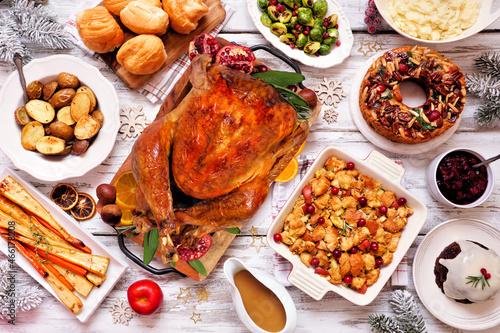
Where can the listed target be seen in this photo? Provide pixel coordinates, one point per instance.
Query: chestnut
(106, 194)
(111, 214)
(309, 96)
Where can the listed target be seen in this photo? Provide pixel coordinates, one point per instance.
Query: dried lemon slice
(64, 195)
(125, 190)
(289, 172)
(85, 207)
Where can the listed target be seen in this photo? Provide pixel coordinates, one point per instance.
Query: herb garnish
(475, 280)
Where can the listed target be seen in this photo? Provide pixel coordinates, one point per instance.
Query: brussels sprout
(312, 47)
(324, 49)
(305, 16)
(301, 40)
(262, 4)
(333, 35)
(287, 38)
(289, 3)
(308, 3)
(316, 34)
(286, 16)
(318, 23)
(297, 3)
(292, 23)
(278, 28)
(273, 13)
(331, 20)
(266, 20)
(320, 8)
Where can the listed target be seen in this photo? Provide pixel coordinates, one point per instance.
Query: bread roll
(143, 54)
(99, 30)
(184, 14)
(144, 19)
(116, 6)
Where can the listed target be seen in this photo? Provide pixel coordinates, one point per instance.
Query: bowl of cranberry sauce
(454, 182)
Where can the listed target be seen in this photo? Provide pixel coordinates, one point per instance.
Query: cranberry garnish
(374, 246)
(434, 115)
(372, 29)
(336, 253)
(362, 201)
(383, 210)
(305, 32)
(314, 262)
(326, 35)
(379, 262)
(336, 26)
(361, 222)
(402, 201)
(263, 69)
(348, 279)
(321, 220)
(292, 87)
(292, 46)
(297, 26)
(296, 35)
(272, 3)
(295, 7)
(335, 190)
(310, 209)
(337, 43)
(483, 271)
(487, 276)
(354, 250)
(325, 24)
(277, 237)
(294, 13)
(380, 88)
(403, 67)
(350, 165)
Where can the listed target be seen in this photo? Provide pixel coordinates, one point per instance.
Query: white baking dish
(382, 170)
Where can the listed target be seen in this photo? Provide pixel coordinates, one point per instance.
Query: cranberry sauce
(458, 181)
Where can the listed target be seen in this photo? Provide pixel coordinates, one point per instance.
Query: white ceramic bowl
(56, 168)
(381, 169)
(436, 193)
(338, 54)
(485, 18)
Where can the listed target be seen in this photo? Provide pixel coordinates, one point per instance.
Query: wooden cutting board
(175, 44)
(221, 239)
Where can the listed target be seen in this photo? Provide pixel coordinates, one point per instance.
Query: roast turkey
(208, 164)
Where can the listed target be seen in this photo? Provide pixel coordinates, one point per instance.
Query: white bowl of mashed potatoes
(437, 21)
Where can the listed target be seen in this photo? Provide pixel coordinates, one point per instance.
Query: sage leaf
(280, 78)
(198, 266)
(151, 242)
(234, 230)
(172, 263)
(291, 97)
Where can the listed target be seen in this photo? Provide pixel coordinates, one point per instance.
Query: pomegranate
(237, 57)
(203, 44)
(190, 254)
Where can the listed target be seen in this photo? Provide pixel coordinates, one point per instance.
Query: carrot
(58, 275)
(61, 262)
(84, 248)
(21, 249)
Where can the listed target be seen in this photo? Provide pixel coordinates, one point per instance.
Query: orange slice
(125, 190)
(289, 172)
(300, 149)
(126, 217)
(84, 208)
(64, 195)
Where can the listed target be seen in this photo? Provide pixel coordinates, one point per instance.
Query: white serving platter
(57, 168)
(116, 269)
(381, 169)
(476, 316)
(371, 135)
(335, 57)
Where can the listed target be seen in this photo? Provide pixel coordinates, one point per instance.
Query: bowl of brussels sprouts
(314, 32)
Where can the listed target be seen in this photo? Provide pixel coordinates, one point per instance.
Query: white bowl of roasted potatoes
(67, 124)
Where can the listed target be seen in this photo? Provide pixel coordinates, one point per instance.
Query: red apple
(145, 297)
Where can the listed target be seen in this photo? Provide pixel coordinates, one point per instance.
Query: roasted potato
(66, 150)
(80, 106)
(88, 91)
(80, 147)
(21, 116)
(67, 80)
(50, 145)
(64, 115)
(34, 90)
(86, 128)
(49, 89)
(40, 110)
(61, 130)
(99, 116)
(62, 98)
(30, 134)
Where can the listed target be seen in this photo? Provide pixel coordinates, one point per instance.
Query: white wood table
(332, 313)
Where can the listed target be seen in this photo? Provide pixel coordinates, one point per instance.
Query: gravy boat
(233, 266)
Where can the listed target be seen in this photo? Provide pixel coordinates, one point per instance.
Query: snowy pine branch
(488, 111)
(483, 85)
(31, 8)
(489, 63)
(44, 31)
(10, 39)
(380, 323)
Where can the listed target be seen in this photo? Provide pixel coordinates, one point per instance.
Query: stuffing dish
(345, 225)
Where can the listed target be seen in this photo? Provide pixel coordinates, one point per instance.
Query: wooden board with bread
(136, 51)
(220, 239)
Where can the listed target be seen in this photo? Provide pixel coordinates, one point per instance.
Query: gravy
(261, 304)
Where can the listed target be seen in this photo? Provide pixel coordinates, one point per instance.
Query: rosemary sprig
(475, 280)
(343, 232)
(124, 228)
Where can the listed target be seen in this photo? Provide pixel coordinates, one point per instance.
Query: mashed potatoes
(433, 19)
